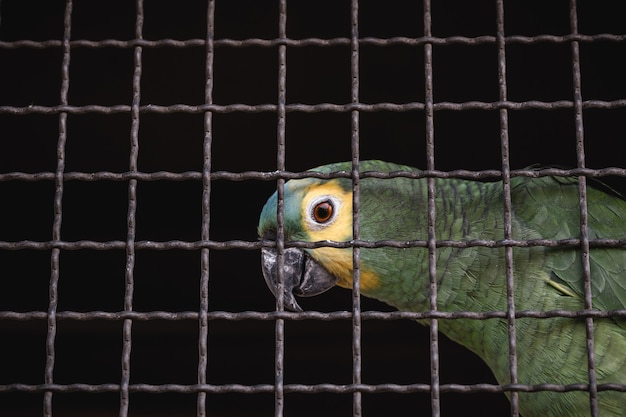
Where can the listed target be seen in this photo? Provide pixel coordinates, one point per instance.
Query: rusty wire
(203, 318)
(435, 394)
(357, 404)
(507, 208)
(312, 108)
(303, 388)
(296, 43)
(58, 215)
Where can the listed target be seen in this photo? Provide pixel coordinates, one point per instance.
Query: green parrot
(549, 350)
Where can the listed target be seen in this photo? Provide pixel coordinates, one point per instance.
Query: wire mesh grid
(52, 390)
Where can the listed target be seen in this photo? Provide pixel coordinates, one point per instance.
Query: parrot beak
(302, 275)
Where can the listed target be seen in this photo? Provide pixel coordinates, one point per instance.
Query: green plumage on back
(549, 350)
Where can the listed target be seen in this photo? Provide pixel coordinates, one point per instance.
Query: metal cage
(140, 140)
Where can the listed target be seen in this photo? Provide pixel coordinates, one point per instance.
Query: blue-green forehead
(294, 194)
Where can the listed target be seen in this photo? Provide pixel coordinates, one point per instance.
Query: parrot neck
(464, 210)
(468, 279)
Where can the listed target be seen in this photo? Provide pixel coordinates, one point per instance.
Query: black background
(243, 351)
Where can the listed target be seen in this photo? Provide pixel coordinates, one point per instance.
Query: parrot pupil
(323, 212)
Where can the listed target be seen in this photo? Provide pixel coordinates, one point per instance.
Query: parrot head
(321, 210)
(314, 210)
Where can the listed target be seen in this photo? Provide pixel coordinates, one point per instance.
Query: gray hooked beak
(302, 275)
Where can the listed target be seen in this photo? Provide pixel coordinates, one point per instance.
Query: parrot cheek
(302, 276)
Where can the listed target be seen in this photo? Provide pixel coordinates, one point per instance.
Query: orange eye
(323, 211)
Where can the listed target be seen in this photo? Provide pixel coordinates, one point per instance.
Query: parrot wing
(554, 212)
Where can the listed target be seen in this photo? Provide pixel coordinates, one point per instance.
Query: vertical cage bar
(203, 321)
(435, 401)
(506, 191)
(279, 357)
(58, 212)
(131, 215)
(357, 410)
(582, 189)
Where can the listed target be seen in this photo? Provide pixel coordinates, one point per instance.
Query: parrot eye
(323, 211)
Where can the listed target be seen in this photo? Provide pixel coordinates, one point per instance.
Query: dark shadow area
(242, 352)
